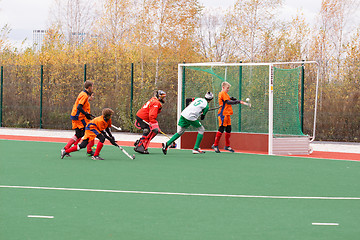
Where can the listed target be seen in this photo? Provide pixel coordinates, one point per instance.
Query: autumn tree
(249, 23)
(74, 19)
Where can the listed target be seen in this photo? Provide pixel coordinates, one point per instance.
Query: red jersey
(150, 110)
(82, 99)
(225, 109)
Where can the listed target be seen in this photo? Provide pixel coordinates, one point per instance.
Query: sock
(198, 140)
(227, 139)
(172, 139)
(90, 145)
(217, 138)
(73, 149)
(98, 148)
(72, 140)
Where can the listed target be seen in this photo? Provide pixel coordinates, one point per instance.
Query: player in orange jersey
(99, 128)
(146, 120)
(80, 116)
(224, 116)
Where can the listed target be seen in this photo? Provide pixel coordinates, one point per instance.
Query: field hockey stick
(125, 152)
(117, 128)
(173, 145)
(215, 108)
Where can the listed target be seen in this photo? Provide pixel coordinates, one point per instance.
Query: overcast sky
(23, 16)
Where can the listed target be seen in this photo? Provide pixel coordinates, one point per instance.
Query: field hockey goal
(274, 122)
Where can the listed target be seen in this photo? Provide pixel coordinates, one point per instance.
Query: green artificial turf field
(177, 196)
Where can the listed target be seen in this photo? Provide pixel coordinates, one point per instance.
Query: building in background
(38, 39)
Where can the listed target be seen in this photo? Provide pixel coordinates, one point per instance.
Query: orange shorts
(79, 123)
(224, 120)
(91, 134)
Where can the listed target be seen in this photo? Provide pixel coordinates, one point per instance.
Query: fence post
(41, 93)
(240, 96)
(302, 97)
(84, 72)
(183, 103)
(1, 97)
(132, 92)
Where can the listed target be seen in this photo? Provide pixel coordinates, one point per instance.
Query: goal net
(273, 89)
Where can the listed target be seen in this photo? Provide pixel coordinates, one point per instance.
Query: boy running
(80, 116)
(224, 116)
(146, 120)
(189, 116)
(99, 128)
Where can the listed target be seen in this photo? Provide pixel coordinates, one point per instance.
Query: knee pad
(84, 143)
(182, 130)
(79, 133)
(221, 129)
(146, 131)
(201, 130)
(101, 138)
(228, 129)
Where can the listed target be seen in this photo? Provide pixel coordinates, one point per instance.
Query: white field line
(39, 216)
(181, 194)
(325, 224)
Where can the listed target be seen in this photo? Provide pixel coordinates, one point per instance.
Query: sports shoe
(67, 155)
(216, 148)
(136, 142)
(90, 154)
(97, 158)
(141, 149)
(197, 151)
(229, 149)
(164, 148)
(63, 153)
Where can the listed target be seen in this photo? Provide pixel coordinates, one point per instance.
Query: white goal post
(270, 66)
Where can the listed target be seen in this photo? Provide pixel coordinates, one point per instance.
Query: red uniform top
(150, 110)
(225, 109)
(82, 99)
(98, 125)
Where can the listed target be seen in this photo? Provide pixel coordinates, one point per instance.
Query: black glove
(233, 98)
(202, 117)
(88, 115)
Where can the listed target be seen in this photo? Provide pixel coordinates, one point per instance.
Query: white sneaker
(197, 151)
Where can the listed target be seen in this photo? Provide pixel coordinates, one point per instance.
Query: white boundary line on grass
(182, 194)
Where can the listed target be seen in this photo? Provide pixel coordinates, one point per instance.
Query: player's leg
(199, 138)
(74, 148)
(99, 146)
(227, 139)
(141, 143)
(183, 124)
(219, 133)
(89, 150)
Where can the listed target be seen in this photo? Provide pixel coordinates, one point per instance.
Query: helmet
(160, 94)
(209, 96)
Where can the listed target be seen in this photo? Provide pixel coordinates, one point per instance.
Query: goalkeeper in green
(189, 117)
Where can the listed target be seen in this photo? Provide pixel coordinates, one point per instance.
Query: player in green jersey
(189, 117)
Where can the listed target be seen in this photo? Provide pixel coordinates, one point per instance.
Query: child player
(224, 113)
(146, 120)
(99, 128)
(189, 116)
(80, 116)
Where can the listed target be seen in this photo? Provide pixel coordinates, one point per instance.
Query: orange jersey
(150, 110)
(225, 109)
(95, 127)
(82, 99)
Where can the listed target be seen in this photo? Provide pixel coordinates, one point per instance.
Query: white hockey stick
(117, 128)
(126, 153)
